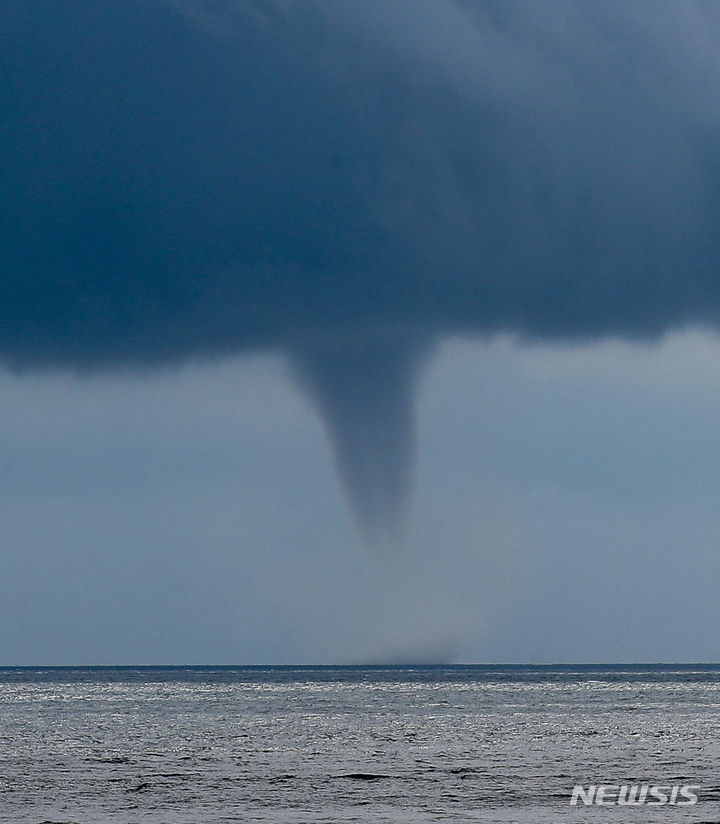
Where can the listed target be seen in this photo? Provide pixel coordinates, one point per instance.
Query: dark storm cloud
(347, 182)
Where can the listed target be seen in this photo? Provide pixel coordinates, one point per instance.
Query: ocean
(357, 744)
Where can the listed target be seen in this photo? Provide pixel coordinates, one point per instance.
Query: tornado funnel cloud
(339, 183)
(364, 392)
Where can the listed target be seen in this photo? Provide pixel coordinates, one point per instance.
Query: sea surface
(353, 744)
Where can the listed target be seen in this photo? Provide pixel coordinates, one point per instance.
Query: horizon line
(377, 665)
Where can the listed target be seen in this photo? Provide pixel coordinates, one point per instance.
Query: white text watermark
(635, 794)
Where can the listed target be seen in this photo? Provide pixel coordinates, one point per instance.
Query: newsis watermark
(628, 795)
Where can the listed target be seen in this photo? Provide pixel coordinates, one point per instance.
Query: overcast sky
(360, 332)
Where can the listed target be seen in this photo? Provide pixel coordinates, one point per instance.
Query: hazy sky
(357, 332)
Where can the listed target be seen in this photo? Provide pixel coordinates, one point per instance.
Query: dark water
(341, 744)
